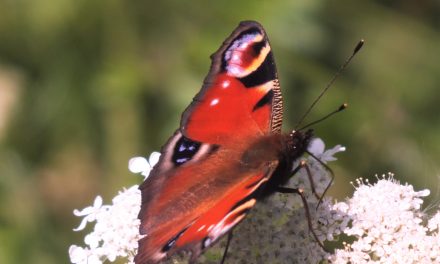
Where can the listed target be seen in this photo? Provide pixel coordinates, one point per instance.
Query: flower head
(116, 231)
(388, 225)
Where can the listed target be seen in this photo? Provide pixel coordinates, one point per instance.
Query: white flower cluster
(389, 227)
(116, 231)
(384, 221)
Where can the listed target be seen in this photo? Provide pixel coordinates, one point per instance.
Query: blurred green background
(85, 85)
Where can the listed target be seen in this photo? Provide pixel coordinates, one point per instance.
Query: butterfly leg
(300, 192)
(303, 164)
(328, 169)
(312, 182)
(225, 253)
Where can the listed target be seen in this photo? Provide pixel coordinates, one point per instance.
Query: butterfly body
(228, 152)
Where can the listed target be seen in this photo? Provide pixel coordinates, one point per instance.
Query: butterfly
(227, 154)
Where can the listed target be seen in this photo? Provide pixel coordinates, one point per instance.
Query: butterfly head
(298, 143)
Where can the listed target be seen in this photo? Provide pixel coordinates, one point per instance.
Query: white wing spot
(214, 102)
(225, 84)
(201, 228)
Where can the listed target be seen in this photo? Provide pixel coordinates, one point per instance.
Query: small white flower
(317, 148)
(92, 240)
(79, 255)
(90, 213)
(142, 166)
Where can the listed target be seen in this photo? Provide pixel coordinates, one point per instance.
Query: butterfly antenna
(335, 77)
(340, 108)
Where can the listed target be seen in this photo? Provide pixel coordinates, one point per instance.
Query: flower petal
(154, 158)
(82, 225)
(138, 164)
(316, 147)
(77, 254)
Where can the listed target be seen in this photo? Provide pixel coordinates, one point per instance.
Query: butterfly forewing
(241, 95)
(202, 185)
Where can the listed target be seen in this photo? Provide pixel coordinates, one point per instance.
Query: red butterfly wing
(202, 185)
(241, 95)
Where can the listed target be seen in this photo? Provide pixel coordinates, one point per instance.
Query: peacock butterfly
(227, 153)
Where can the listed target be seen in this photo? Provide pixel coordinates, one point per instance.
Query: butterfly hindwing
(204, 184)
